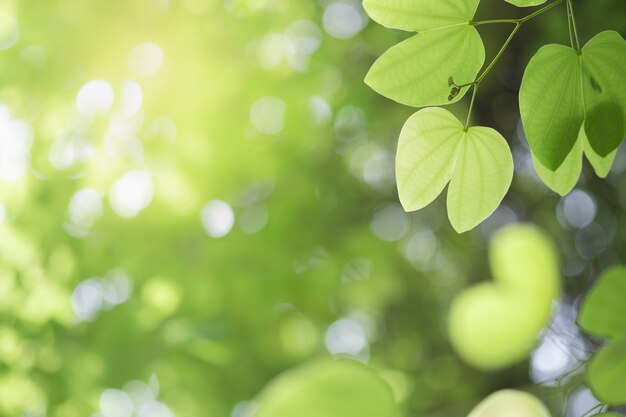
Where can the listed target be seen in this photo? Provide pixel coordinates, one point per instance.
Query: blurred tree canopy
(196, 195)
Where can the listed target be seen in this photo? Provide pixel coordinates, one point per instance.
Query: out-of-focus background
(196, 195)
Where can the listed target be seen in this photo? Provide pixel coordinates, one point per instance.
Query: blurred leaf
(603, 313)
(419, 15)
(496, 324)
(510, 403)
(434, 148)
(340, 388)
(509, 251)
(606, 372)
(416, 71)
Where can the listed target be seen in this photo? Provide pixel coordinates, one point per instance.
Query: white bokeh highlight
(16, 139)
(390, 223)
(268, 115)
(217, 218)
(578, 208)
(94, 97)
(131, 99)
(145, 59)
(84, 210)
(343, 19)
(132, 193)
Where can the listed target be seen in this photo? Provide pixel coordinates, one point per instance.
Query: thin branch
(571, 10)
(518, 24)
(569, 26)
(523, 19)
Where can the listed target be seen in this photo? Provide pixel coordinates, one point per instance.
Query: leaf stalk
(518, 24)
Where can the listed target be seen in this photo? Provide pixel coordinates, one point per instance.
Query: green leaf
(550, 104)
(563, 89)
(427, 151)
(416, 72)
(510, 403)
(481, 179)
(526, 3)
(606, 373)
(604, 91)
(601, 165)
(564, 179)
(419, 15)
(603, 313)
(434, 148)
(509, 251)
(342, 388)
(496, 324)
(492, 327)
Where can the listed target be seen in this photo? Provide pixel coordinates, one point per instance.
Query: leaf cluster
(572, 102)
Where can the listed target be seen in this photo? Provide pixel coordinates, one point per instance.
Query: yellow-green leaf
(419, 15)
(496, 324)
(481, 179)
(526, 3)
(435, 148)
(601, 165)
(510, 403)
(564, 179)
(606, 373)
(330, 388)
(427, 151)
(603, 313)
(416, 72)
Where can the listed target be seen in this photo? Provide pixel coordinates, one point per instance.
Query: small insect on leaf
(450, 82)
(453, 93)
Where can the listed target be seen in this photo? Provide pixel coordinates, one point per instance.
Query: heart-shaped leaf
(416, 72)
(494, 325)
(419, 15)
(342, 388)
(492, 328)
(603, 313)
(606, 372)
(510, 403)
(435, 149)
(509, 253)
(604, 91)
(526, 3)
(562, 88)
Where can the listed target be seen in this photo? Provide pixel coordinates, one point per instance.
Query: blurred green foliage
(120, 276)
